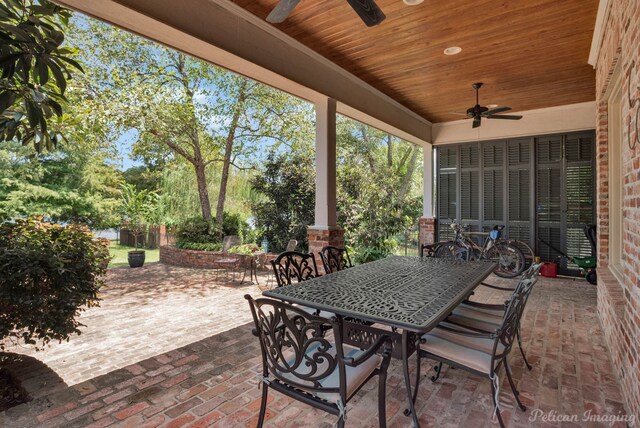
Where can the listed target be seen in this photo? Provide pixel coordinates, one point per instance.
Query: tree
(377, 186)
(185, 110)
(65, 185)
(35, 69)
(288, 187)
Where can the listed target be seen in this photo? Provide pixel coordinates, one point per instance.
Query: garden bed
(198, 259)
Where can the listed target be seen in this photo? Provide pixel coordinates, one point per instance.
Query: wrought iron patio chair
(230, 241)
(292, 245)
(302, 362)
(428, 250)
(231, 262)
(292, 266)
(335, 259)
(485, 317)
(480, 353)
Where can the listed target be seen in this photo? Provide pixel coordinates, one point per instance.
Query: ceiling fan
(368, 11)
(478, 112)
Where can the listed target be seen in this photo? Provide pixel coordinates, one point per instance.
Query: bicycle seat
(498, 227)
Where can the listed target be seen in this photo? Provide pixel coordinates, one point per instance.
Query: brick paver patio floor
(171, 347)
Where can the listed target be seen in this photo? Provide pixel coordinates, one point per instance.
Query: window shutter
(447, 163)
(493, 195)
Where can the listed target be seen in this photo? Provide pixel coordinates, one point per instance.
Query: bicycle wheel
(452, 251)
(527, 251)
(510, 259)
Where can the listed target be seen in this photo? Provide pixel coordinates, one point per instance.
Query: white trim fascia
(604, 8)
(549, 120)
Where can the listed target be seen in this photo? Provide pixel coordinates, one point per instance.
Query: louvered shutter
(579, 192)
(470, 183)
(447, 178)
(493, 183)
(549, 196)
(519, 189)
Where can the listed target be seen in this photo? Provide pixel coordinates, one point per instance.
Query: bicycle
(511, 260)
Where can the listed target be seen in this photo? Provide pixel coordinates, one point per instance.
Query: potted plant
(137, 208)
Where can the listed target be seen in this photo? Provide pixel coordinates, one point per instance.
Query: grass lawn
(119, 254)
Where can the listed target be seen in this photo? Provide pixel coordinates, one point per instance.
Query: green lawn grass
(119, 255)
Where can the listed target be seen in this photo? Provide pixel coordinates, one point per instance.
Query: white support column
(428, 210)
(427, 222)
(325, 164)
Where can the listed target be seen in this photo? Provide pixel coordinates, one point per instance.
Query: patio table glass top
(411, 293)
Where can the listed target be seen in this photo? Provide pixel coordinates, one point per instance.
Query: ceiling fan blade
(476, 121)
(369, 11)
(504, 116)
(496, 110)
(282, 10)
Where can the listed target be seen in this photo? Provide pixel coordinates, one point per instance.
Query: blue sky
(123, 145)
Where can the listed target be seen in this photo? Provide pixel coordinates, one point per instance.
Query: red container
(549, 270)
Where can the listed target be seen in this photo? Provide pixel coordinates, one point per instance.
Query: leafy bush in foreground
(48, 274)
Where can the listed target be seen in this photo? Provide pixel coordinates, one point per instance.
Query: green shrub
(246, 249)
(48, 274)
(362, 255)
(200, 246)
(197, 229)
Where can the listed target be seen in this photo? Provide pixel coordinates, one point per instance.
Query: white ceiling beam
(222, 33)
(550, 120)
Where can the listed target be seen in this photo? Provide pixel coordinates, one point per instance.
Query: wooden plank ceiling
(529, 53)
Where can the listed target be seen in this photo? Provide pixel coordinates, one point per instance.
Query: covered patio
(148, 378)
(568, 68)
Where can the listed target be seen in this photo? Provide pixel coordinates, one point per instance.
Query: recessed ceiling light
(491, 105)
(412, 2)
(453, 50)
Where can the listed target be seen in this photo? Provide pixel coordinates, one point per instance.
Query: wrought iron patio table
(410, 294)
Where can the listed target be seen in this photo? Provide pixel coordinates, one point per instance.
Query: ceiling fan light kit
(412, 2)
(478, 112)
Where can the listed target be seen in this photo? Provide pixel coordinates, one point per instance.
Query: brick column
(427, 230)
(323, 236)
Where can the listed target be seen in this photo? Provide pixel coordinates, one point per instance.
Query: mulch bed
(11, 392)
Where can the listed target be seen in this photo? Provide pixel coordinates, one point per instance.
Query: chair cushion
(469, 312)
(497, 312)
(355, 376)
(472, 323)
(481, 344)
(465, 356)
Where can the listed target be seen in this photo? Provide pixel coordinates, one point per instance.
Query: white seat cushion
(468, 312)
(475, 320)
(355, 376)
(497, 312)
(463, 355)
(481, 344)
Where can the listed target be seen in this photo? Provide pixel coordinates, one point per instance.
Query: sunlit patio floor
(173, 347)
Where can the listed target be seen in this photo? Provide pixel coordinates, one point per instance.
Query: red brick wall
(195, 259)
(619, 302)
(319, 238)
(427, 230)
